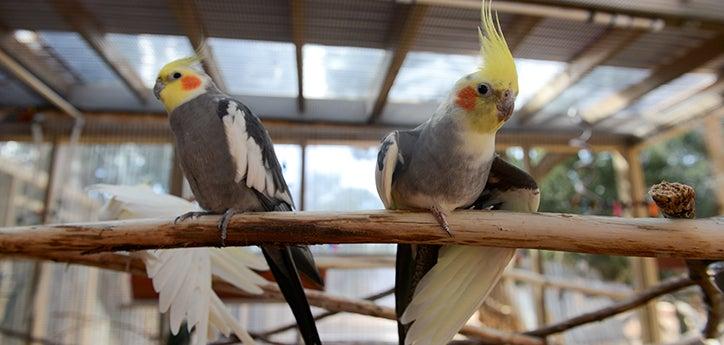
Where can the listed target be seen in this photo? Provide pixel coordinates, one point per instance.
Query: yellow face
(177, 83)
(487, 104)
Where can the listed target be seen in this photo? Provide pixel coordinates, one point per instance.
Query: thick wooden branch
(697, 239)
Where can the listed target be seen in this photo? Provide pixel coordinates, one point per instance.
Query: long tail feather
(285, 272)
(452, 291)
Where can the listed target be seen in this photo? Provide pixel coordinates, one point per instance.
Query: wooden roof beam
(297, 16)
(692, 60)
(190, 20)
(37, 85)
(82, 22)
(402, 40)
(521, 27)
(602, 49)
(51, 73)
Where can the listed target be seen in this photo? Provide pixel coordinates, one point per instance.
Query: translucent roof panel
(148, 53)
(340, 72)
(77, 54)
(430, 76)
(601, 82)
(533, 75)
(13, 93)
(256, 67)
(672, 91)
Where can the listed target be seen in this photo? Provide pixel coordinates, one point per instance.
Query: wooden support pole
(715, 150)
(297, 25)
(694, 239)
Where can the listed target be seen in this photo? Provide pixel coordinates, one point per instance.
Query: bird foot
(441, 218)
(193, 214)
(224, 223)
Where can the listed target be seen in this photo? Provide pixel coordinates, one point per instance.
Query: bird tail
(281, 262)
(183, 277)
(450, 293)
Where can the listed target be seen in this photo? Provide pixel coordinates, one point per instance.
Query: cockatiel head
(487, 96)
(179, 82)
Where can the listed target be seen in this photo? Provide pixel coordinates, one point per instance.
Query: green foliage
(683, 160)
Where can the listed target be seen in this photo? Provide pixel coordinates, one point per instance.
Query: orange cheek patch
(466, 98)
(190, 82)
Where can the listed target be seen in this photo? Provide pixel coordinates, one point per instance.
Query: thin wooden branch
(616, 308)
(324, 315)
(134, 265)
(697, 239)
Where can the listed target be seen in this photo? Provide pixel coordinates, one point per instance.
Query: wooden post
(303, 179)
(714, 145)
(644, 270)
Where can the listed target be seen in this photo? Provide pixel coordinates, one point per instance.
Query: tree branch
(563, 232)
(635, 301)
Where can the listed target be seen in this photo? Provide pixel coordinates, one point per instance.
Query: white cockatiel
(182, 277)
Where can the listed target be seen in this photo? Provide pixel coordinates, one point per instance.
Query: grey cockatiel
(229, 161)
(449, 163)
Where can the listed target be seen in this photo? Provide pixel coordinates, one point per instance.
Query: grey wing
(253, 154)
(508, 188)
(395, 152)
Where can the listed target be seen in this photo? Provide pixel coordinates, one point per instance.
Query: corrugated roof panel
(712, 9)
(348, 23)
(134, 16)
(534, 75)
(672, 91)
(340, 72)
(76, 53)
(148, 53)
(556, 39)
(601, 82)
(31, 15)
(654, 48)
(267, 20)
(15, 94)
(257, 67)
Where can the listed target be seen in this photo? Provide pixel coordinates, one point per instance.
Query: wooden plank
(297, 17)
(83, 22)
(598, 52)
(692, 60)
(190, 20)
(403, 38)
(693, 239)
(30, 80)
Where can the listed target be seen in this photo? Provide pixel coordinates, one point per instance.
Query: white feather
(256, 175)
(236, 137)
(182, 277)
(383, 178)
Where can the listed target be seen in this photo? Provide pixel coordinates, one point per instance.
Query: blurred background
(614, 97)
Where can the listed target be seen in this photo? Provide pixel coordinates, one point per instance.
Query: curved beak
(505, 105)
(157, 89)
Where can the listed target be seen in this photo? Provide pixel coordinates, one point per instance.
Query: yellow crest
(497, 62)
(188, 61)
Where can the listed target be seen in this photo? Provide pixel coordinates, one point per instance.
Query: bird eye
(176, 75)
(483, 89)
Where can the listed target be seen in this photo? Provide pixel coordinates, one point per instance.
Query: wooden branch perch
(697, 239)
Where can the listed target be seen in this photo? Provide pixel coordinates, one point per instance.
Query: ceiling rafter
(297, 17)
(83, 22)
(598, 52)
(37, 85)
(192, 24)
(519, 30)
(664, 73)
(402, 38)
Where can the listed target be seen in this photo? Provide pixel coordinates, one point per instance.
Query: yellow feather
(173, 94)
(497, 61)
